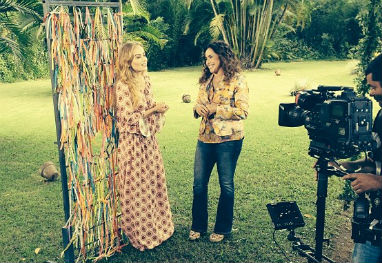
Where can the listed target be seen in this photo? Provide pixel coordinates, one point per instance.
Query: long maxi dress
(146, 216)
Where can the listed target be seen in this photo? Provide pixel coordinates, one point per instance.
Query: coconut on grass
(49, 171)
(186, 98)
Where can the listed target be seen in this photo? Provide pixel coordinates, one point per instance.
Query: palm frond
(147, 36)
(29, 23)
(216, 26)
(203, 30)
(197, 17)
(28, 7)
(8, 45)
(187, 26)
(10, 29)
(188, 3)
(139, 9)
(286, 29)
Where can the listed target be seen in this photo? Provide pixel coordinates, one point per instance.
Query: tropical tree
(17, 18)
(139, 26)
(248, 25)
(333, 29)
(180, 49)
(371, 22)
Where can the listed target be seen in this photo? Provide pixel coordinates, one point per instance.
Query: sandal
(193, 235)
(216, 237)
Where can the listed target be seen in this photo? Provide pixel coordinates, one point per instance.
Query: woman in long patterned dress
(146, 216)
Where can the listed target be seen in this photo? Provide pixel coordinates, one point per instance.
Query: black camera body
(339, 123)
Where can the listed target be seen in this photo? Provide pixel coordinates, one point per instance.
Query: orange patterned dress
(146, 216)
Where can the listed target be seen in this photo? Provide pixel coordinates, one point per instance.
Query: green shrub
(37, 66)
(6, 74)
(370, 44)
(292, 49)
(33, 66)
(11, 68)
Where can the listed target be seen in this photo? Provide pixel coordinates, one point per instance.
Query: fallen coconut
(49, 171)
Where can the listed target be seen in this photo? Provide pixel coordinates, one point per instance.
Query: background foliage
(175, 32)
(22, 50)
(371, 22)
(333, 28)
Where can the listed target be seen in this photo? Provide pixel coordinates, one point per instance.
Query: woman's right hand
(161, 107)
(201, 110)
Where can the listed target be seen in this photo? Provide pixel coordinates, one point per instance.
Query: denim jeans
(225, 156)
(366, 253)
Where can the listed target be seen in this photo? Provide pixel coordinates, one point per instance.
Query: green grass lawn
(273, 166)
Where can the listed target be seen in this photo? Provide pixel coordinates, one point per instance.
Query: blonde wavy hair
(125, 73)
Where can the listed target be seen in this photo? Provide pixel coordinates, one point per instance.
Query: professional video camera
(339, 123)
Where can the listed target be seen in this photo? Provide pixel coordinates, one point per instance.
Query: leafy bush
(186, 39)
(333, 29)
(291, 49)
(6, 73)
(326, 48)
(33, 66)
(371, 42)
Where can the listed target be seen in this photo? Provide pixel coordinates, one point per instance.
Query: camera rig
(339, 125)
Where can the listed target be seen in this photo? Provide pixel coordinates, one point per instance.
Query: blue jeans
(366, 253)
(225, 156)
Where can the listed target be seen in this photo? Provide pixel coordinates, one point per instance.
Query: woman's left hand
(211, 108)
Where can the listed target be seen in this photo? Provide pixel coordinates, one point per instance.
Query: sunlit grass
(273, 166)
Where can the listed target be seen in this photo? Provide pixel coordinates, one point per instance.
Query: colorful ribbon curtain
(83, 50)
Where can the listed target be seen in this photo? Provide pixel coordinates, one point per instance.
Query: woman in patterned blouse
(146, 216)
(223, 105)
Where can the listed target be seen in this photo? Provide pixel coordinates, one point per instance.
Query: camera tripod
(323, 172)
(286, 215)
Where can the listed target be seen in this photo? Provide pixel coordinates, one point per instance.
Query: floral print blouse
(232, 108)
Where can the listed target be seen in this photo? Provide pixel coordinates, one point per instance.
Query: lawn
(274, 166)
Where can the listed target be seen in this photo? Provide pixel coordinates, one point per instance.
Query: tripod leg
(322, 187)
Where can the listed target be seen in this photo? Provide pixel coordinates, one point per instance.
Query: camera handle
(322, 188)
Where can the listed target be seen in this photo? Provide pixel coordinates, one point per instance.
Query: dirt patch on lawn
(341, 246)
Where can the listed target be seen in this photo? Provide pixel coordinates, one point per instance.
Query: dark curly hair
(228, 61)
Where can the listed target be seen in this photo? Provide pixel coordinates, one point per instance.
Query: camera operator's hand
(201, 110)
(365, 182)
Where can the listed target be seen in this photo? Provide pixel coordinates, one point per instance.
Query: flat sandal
(194, 235)
(216, 237)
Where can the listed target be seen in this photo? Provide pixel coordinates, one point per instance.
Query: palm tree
(139, 26)
(16, 20)
(248, 25)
